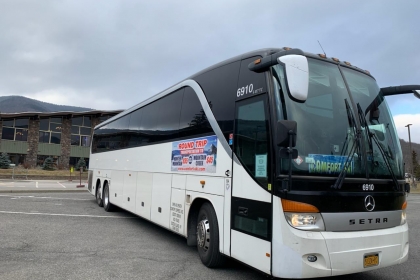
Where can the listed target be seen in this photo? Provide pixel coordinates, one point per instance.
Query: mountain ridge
(20, 104)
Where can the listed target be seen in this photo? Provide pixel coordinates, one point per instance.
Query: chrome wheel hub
(203, 234)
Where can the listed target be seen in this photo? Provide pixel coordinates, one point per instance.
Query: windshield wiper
(356, 142)
(363, 122)
(373, 136)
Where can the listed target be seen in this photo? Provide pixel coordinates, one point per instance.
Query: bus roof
(260, 52)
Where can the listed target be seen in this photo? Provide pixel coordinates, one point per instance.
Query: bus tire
(208, 237)
(99, 195)
(107, 204)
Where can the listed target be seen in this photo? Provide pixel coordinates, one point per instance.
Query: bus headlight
(403, 217)
(305, 221)
(404, 213)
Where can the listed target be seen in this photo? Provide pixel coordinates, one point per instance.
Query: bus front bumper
(347, 250)
(337, 253)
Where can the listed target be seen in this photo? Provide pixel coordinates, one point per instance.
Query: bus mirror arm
(388, 91)
(407, 187)
(286, 138)
(286, 133)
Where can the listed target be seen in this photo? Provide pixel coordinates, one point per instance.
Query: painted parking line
(61, 184)
(66, 215)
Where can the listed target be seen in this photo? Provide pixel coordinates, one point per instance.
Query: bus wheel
(99, 195)
(107, 205)
(208, 237)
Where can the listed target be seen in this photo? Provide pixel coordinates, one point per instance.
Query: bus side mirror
(407, 187)
(297, 76)
(286, 133)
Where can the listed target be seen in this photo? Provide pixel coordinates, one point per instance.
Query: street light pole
(411, 154)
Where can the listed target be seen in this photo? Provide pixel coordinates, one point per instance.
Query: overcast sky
(113, 54)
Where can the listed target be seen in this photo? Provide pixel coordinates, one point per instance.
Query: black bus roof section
(268, 58)
(271, 60)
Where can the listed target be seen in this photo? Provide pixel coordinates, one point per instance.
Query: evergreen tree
(48, 164)
(416, 166)
(81, 163)
(4, 161)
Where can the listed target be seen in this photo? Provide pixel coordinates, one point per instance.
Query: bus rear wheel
(107, 204)
(208, 237)
(99, 195)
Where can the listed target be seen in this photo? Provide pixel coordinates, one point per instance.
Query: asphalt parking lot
(67, 236)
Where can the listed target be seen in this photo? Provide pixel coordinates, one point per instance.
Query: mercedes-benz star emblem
(369, 203)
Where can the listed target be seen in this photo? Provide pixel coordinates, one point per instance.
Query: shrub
(4, 161)
(81, 163)
(48, 164)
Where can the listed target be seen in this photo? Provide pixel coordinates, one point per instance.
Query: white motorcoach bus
(284, 160)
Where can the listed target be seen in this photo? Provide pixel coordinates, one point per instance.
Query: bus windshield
(326, 124)
(382, 144)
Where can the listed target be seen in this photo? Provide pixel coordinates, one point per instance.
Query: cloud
(402, 120)
(117, 53)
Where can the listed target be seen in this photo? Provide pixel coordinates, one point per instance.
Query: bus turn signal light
(298, 207)
(404, 206)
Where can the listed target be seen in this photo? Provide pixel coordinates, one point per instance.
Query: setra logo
(369, 203)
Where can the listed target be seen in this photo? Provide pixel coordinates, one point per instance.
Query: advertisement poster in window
(195, 155)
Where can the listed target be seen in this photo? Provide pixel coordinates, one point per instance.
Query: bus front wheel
(208, 237)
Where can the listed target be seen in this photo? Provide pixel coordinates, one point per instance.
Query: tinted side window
(193, 120)
(113, 136)
(136, 138)
(167, 123)
(148, 123)
(220, 86)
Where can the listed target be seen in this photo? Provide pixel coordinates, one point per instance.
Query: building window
(15, 129)
(50, 130)
(81, 131)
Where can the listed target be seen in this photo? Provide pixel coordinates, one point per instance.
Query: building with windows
(65, 136)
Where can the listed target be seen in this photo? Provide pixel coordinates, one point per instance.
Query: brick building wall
(65, 143)
(34, 149)
(33, 141)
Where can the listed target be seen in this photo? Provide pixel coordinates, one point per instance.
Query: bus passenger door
(251, 211)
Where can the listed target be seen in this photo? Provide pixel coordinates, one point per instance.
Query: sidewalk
(25, 186)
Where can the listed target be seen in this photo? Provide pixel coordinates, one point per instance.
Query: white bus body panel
(144, 194)
(177, 214)
(129, 191)
(227, 216)
(161, 199)
(154, 184)
(179, 181)
(116, 187)
(254, 253)
(245, 187)
(337, 252)
(213, 185)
